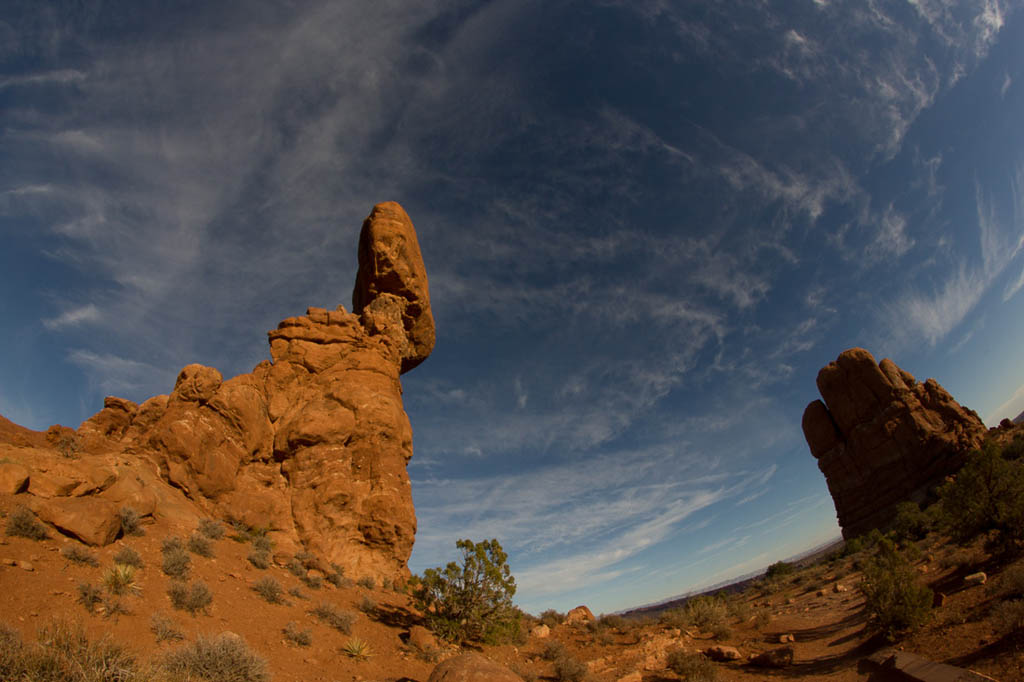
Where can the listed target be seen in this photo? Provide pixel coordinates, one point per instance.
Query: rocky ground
(817, 612)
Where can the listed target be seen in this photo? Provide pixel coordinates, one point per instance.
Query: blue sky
(647, 225)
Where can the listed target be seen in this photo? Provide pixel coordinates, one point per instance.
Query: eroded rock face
(312, 445)
(881, 438)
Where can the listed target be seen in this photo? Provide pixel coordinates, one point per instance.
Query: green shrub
(128, 557)
(270, 590)
(1014, 450)
(296, 636)
(225, 658)
(211, 528)
(693, 667)
(612, 621)
(23, 523)
(298, 593)
(164, 628)
(367, 581)
(80, 555)
(779, 569)
(296, 568)
(131, 522)
(909, 522)
(893, 594)
(200, 544)
(313, 582)
(987, 495)
(357, 649)
(192, 598)
(471, 601)
(568, 669)
(337, 618)
(261, 543)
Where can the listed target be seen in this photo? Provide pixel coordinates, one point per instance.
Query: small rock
(634, 676)
(422, 638)
(839, 587)
(720, 652)
(791, 601)
(10, 562)
(774, 658)
(26, 565)
(580, 614)
(472, 667)
(978, 578)
(785, 639)
(821, 593)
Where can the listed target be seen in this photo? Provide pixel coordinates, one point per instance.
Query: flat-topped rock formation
(880, 437)
(312, 444)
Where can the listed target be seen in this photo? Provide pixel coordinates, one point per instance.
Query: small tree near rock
(471, 601)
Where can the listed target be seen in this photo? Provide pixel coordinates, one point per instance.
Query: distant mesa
(1019, 419)
(312, 445)
(881, 438)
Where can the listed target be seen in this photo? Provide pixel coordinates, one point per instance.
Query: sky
(647, 225)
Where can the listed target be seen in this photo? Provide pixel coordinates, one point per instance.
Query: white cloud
(74, 316)
(892, 239)
(1013, 287)
(60, 77)
(1008, 410)
(122, 376)
(1007, 81)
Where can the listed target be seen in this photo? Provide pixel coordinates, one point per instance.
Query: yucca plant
(357, 648)
(120, 579)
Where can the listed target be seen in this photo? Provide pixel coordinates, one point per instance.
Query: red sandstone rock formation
(312, 444)
(881, 438)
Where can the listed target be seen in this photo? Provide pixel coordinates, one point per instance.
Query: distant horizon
(646, 227)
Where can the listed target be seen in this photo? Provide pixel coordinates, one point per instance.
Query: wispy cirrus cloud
(73, 317)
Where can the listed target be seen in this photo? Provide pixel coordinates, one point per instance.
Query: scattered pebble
(26, 565)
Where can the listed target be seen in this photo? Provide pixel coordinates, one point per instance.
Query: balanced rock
(312, 445)
(580, 614)
(881, 438)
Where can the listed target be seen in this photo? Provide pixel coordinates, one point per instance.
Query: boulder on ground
(92, 520)
(580, 614)
(721, 652)
(13, 478)
(781, 657)
(472, 667)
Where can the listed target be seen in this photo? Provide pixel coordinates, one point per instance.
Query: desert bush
(64, 654)
(131, 522)
(119, 579)
(1011, 583)
(298, 593)
(367, 605)
(471, 601)
(270, 590)
(225, 658)
(176, 561)
(568, 669)
(553, 650)
(1014, 450)
(986, 496)
(259, 559)
(296, 568)
(357, 649)
(673, 618)
(69, 446)
(164, 628)
(337, 618)
(114, 607)
(778, 570)
(692, 666)
(192, 598)
(909, 522)
(367, 581)
(336, 576)
(89, 596)
(211, 528)
(612, 621)
(1008, 617)
(23, 523)
(705, 613)
(296, 636)
(200, 544)
(80, 555)
(893, 595)
(551, 618)
(262, 543)
(128, 557)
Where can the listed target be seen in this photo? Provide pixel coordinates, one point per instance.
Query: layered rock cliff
(312, 444)
(880, 437)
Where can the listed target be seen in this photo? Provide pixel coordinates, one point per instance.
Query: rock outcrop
(880, 437)
(312, 445)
